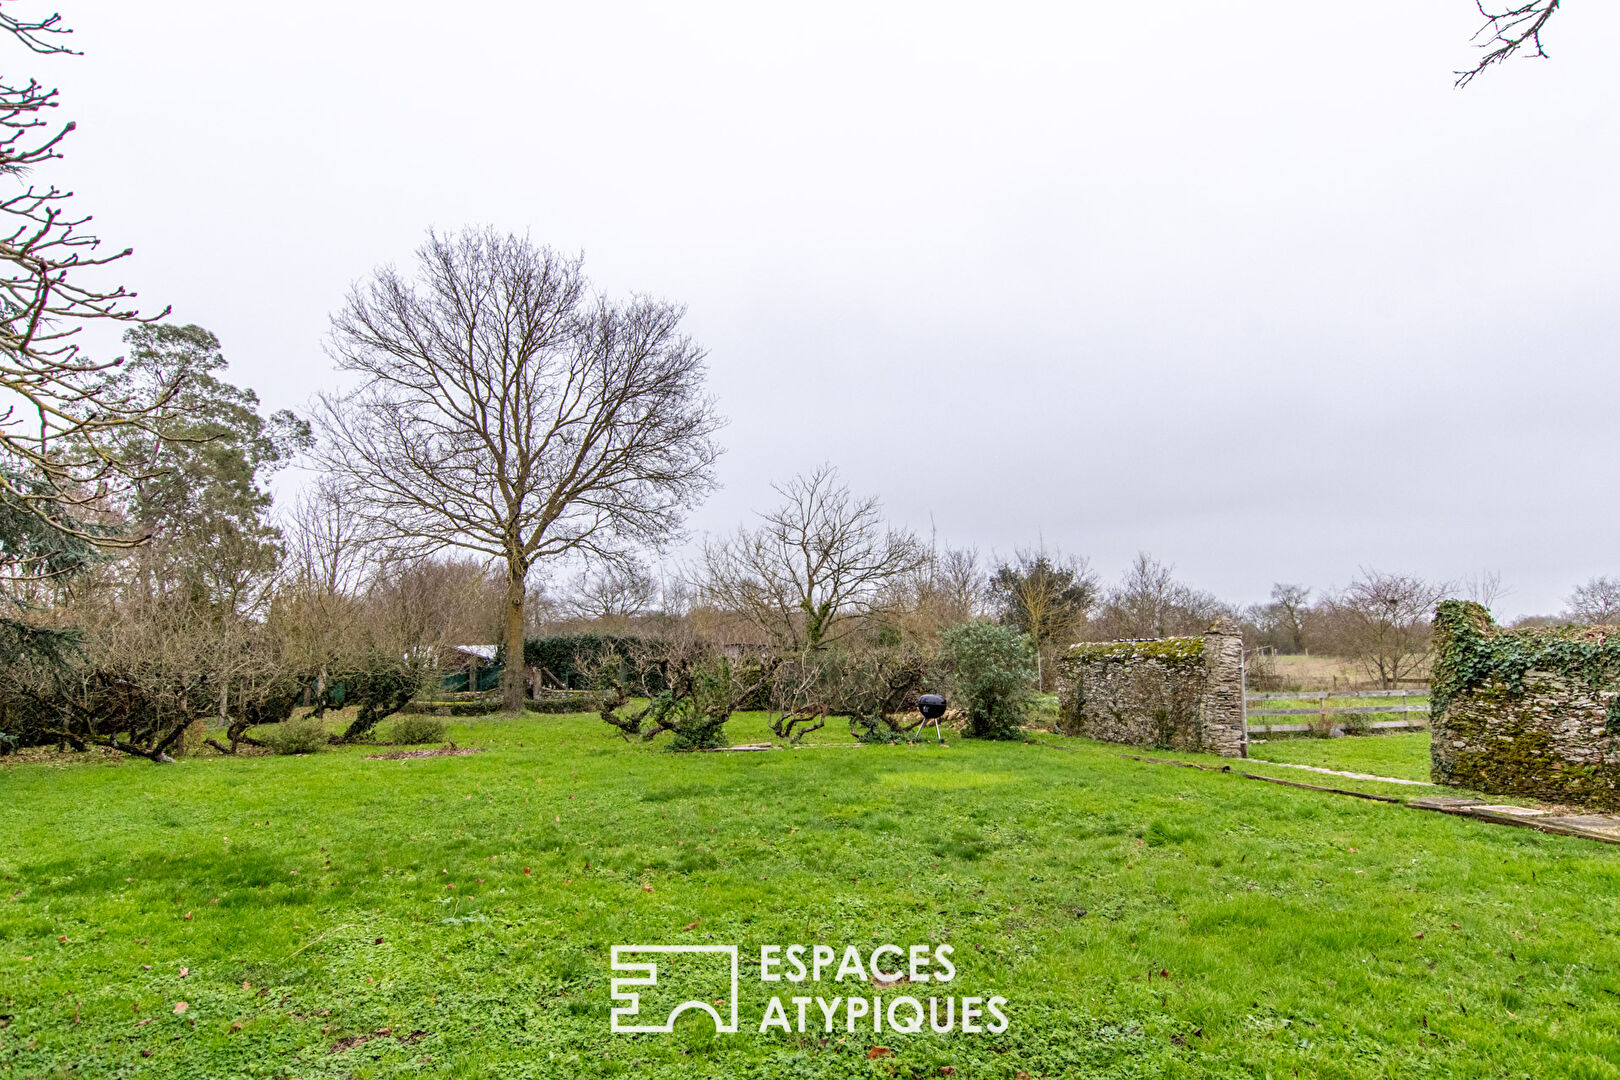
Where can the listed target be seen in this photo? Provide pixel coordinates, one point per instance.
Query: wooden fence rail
(1326, 711)
(1349, 709)
(1330, 695)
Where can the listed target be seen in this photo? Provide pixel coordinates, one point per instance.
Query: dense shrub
(475, 707)
(304, 735)
(992, 674)
(553, 702)
(574, 660)
(416, 730)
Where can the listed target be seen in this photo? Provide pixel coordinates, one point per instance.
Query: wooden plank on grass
(1548, 823)
(1318, 787)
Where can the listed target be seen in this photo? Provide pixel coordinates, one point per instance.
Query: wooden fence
(1325, 713)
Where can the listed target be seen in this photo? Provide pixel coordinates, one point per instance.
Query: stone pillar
(1222, 729)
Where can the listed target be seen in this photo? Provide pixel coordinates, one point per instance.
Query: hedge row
(557, 657)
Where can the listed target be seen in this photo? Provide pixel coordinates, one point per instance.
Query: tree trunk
(512, 675)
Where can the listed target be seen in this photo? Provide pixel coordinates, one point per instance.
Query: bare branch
(1507, 32)
(58, 408)
(820, 560)
(502, 409)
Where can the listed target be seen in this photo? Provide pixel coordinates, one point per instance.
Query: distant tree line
(505, 420)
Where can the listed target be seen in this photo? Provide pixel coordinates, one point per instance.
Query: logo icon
(649, 977)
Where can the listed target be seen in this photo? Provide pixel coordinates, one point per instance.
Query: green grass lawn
(1404, 755)
(300, 906)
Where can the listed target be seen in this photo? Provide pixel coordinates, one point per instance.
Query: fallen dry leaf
(180, 1007)
(646, 888)
(184, 972)
(692, 925)
(879, 1051)
(236, 1025)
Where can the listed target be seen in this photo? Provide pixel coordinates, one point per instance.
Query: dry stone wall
(1183, 693)
(1532, 712)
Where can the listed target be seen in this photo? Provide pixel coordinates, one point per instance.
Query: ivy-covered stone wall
(1183, 693)
(1532, 712)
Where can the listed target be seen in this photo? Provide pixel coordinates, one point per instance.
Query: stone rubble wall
(1169, 693)
(1531, 713)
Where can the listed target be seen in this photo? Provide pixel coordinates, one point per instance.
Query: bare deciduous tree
(1149, 602)
(1507, 31)
(821, 560)
(1383, 621)
(1286, 614)
(319, 605)
(424, 605)
(503, 409)
(613, 595)
(1596, 603)
(947, 588)
(1485, 588)
(58, 407)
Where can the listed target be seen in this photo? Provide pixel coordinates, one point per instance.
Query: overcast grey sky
(1247, 285)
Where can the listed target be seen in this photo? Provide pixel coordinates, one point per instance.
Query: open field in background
(1230, 928)
(1326, 673)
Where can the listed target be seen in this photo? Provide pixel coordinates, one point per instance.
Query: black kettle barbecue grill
(932, 706)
